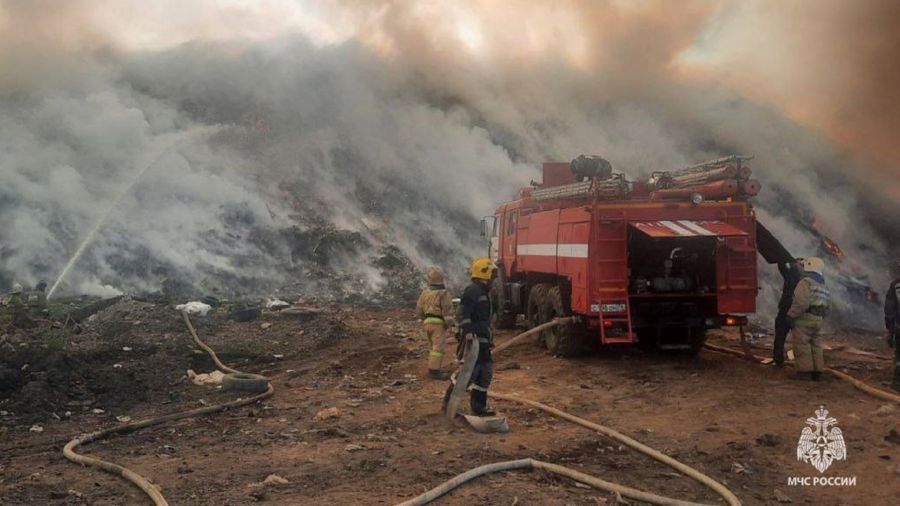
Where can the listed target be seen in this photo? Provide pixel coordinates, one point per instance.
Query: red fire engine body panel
(587, 244)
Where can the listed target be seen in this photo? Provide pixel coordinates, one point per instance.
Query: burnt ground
(734, 420)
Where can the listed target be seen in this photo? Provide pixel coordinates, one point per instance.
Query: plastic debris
(213, 378)
(194, 307)
(276, 304)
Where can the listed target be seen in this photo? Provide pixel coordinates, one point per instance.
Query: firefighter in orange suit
(435, 309)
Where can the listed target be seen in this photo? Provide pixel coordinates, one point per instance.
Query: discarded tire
(244, 382)
(248, 314)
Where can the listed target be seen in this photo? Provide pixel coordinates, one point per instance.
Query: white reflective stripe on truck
(676, 228)
(551, 250)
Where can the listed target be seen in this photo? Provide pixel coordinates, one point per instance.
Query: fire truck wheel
(536, 297)
(500, 319)
(697, 340)
(561, 340)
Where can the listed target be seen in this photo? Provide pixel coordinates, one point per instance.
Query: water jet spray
(89, 238)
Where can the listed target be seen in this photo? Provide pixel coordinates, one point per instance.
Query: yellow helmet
(482, 268)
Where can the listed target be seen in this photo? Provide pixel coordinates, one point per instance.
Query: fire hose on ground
(471, 353)
(861, 385)
(144, 484)
(465, 372)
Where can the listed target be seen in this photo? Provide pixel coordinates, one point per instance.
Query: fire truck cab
(657, 262)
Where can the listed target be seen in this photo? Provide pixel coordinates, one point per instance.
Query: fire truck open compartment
(670, 266)
(672, 284)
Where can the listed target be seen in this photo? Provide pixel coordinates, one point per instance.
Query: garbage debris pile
(104, 354)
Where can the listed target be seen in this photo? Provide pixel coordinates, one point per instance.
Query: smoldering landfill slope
(321, 168)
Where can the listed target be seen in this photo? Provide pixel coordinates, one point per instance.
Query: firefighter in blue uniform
(474, 320)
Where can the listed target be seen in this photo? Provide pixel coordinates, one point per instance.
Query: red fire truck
(657, 261)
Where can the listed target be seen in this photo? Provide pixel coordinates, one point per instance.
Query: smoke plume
(245, 149)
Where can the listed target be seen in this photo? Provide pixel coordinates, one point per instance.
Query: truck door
(494, 248)
(509, 239)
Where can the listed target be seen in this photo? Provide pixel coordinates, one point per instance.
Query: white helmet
(814, 264)
(16, 289)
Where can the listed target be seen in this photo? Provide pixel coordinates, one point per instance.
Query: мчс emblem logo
(822, 442)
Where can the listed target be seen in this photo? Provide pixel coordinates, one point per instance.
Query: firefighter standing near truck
(892, 321)
(805, 316)
(792, 272)
(435, 309)
(474, 320)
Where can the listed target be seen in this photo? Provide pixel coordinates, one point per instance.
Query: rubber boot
(478, 403)
(778, 352)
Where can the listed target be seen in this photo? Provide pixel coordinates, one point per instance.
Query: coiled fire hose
(144, 484)
(459, 388)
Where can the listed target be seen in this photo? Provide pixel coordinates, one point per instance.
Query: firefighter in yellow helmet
(435, 309)
(474, 319)
(808, 309)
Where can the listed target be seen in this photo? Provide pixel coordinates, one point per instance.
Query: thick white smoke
(255, 149)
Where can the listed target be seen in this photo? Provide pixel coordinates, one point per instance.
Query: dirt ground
(736, 421)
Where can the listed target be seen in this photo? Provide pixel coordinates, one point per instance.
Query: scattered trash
(36, 428)
(885, 409)
(328, 414)
(893, 437)
(127, 348)
(265, 325)
(276, 304)
(279, 356)
(354, 447)
(738, 468)
(117, 365)
(213, 378)
(97, 411)
(210, 300)
(194, 307)
(768, 440)
(781, 496)
(274, 479)
(123, 418)
(246, 314)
